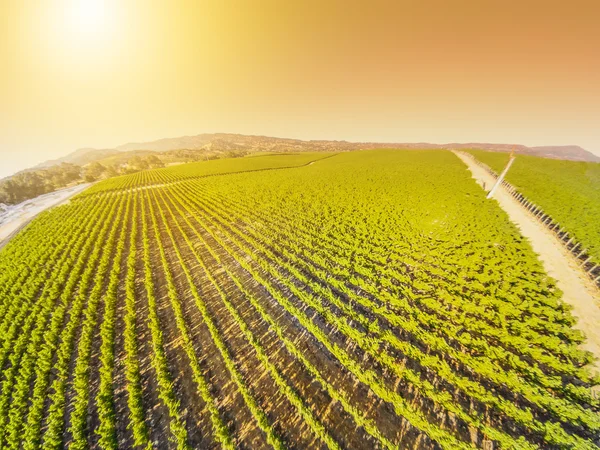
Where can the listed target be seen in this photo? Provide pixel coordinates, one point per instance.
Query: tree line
(30, 184)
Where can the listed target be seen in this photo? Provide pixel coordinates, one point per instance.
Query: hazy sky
(78, 73)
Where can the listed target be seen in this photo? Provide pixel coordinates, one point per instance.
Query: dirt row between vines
(577, 289)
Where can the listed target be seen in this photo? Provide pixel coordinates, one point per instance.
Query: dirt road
(17, 217)
(577, 288)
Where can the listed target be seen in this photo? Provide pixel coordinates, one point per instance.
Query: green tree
(94, 172)
(154, 162)
(137, 163)
(62, 175)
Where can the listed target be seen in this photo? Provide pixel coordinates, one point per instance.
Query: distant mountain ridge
(80, 157)
(569, 152)
(225, 142)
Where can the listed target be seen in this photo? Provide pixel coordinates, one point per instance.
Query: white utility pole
(502, 175)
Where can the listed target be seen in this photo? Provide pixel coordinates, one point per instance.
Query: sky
(100, 73)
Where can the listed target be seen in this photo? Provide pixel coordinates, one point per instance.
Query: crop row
(556, 191)
(505, 404)
(372, 299)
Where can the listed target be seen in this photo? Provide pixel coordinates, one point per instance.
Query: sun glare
(87, 16)
(83, 33)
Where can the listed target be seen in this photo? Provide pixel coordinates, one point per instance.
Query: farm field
(207, 169)
(17, 216)
(568, 191)
(368, 299)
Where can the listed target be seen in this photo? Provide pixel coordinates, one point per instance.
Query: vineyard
(568, 191)
(367, 299)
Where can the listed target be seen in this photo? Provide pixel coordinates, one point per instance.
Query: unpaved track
(12, 222)
(577, 288)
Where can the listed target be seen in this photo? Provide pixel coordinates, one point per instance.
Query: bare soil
(578, 291)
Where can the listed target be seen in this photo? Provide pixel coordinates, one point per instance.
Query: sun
(82, 33)
(87, 16)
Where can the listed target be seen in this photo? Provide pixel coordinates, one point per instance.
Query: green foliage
(411, 305)
(30, 184)
(205, 169)
(93, 172)
(568, 191)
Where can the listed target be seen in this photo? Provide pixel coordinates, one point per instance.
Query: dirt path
(17, 217)
(577, 289)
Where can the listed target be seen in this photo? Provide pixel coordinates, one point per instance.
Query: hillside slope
(370, 300)
(225, 141)
(222, 143)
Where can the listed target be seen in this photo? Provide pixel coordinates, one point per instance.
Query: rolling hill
(223, 143)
